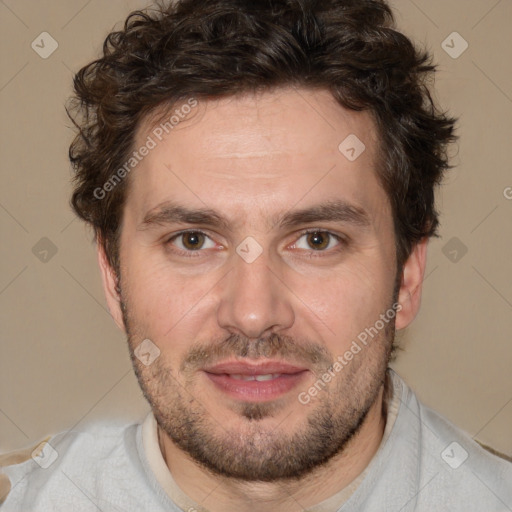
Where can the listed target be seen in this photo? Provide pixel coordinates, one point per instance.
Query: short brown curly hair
(214, 48)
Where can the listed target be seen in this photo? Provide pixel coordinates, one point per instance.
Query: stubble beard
(253, 451)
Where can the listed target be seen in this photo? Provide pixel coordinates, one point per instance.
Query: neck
(230, 495)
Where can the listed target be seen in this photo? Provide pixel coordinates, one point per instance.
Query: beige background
(63, 364)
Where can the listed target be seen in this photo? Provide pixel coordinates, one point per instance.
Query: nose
(255, 300)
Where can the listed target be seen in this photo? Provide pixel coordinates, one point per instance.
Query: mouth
(255, 382)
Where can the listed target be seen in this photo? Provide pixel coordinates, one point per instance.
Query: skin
(252, 157)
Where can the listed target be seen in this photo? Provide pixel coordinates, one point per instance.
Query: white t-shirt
(424, 463)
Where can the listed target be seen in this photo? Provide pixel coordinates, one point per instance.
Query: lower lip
(256, 391)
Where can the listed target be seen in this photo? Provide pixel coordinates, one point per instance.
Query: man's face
(221, 313)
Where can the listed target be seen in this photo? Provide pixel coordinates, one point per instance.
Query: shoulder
(459, 447)
(455, 471)
(68, 463)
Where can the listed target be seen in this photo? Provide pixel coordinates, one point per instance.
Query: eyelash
(190, 254)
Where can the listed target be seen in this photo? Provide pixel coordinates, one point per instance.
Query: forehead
(257, 151)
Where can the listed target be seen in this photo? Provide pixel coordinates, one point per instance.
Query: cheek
(349, 299)
(163, 302)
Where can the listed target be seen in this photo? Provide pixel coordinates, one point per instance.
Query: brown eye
(192, 240)
(192, 243)
(318, 240)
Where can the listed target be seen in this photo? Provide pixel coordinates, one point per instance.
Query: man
(260, 177)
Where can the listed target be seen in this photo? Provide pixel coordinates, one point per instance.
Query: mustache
(273, 346)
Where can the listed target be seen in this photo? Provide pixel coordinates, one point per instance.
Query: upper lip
(245, 368)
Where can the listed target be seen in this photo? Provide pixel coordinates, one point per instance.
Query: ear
(109, 279)
(409, 295)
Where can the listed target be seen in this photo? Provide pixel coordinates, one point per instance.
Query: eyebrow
(335, 210)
